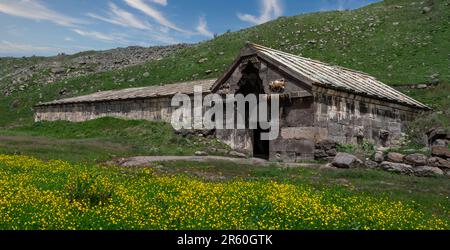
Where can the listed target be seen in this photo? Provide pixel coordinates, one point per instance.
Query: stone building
(319, 102)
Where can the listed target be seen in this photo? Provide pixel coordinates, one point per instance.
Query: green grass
(100, 140)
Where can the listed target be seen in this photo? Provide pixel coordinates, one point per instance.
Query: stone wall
(138, 109)
(348, 118)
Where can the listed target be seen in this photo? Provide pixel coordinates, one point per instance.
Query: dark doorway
(251, 83)
(260, 147)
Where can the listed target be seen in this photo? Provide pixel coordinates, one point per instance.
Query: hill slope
(397, 41)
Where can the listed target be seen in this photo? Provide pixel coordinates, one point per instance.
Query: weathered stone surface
(320, 154)
(416, 159)
(327, 144)
(395, 157)
(332, 152)
(427, 171)
(435, 134)
(370, 164)
(438, 162)
(397, 168)
(378, 157)
(237, 154)
(440, 151)
(344, 160)
(440, 142)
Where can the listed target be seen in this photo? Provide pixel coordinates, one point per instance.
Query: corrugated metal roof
(134, 93)
(336, 77)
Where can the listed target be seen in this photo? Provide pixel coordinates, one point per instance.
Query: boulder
(435, 134)
(440, 142)
(332, 152)
(344, 160)
(426, 9)
(378, 157)
(201, 153)
(146, 74)
(438, 162)
(440, 151)
(416, 159)
(371, 164)
(427, 171)
(320, 154)
(397, 168)
(395, 157)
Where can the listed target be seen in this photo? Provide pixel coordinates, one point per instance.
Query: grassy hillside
(394, 40)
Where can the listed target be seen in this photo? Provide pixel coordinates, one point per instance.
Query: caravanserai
(319, 102)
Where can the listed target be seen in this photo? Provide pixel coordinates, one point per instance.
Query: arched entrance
(251, 83)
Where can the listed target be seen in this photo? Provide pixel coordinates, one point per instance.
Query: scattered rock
(201, 153)
(416, 159)
(435, 134)
(395, 157)
(440, 151)
(237, 154)
(344, 160)
(325, 149)
(371, 164)
(425, 10)
(440, 142)
(378, 157)
(57, 70)
(320, 154)
(202, 60)
(438, 162)
(399, 168)
(427, 171)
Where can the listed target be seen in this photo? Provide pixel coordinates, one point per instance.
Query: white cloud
(270, 9)
(33, 9)
(153, 13)
(121, 17)
(202, 28)
(101, 36)
(160, 2)
(10, 47)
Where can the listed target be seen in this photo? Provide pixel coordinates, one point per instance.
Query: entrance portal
(251, 83)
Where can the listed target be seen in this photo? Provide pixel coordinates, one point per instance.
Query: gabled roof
(137, 93)
(317, 73)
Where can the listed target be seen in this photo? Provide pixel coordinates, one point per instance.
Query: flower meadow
(37, 194)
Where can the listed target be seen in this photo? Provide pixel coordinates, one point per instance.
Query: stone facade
(138, 109)
(312, 111)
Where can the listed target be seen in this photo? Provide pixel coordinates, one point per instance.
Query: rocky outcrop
(344, 160)
(61, 67)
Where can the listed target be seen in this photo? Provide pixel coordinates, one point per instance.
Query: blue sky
(49, 27)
